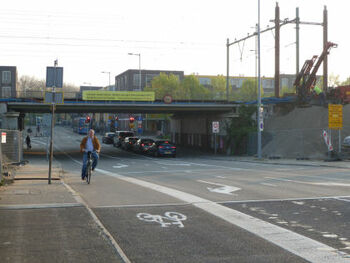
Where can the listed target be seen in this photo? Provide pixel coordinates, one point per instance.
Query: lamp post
(138, 54)
(109, 77)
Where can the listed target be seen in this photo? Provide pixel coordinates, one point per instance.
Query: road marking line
(39, 206)
(79, 199)
(297, 244)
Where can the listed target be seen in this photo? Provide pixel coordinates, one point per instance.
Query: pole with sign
(54, 79)
(216, 130)
(335, 119)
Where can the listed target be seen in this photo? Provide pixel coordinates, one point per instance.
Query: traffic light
(116, 118)
(131, 119)
(88, 119)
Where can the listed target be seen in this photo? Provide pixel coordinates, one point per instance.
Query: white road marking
(39, 206)
(175, 218)
(120, 166)
(310, 183)
(223, 189)
(297, 244)
(99, 223)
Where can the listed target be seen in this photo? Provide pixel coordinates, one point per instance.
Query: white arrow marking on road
(223, 189)
(120, 166)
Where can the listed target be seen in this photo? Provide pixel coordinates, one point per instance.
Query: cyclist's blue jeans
(94, 162)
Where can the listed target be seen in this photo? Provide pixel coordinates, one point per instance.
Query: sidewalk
(44, 223)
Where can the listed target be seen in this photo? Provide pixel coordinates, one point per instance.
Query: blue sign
(139, 118)
(54, 77)
(139, 130)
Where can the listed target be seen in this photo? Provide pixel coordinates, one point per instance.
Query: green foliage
(286, 90)
(237, 129)
(165, 85)
(189, 88)
(218, 84)
(346, 82)
(248, 91)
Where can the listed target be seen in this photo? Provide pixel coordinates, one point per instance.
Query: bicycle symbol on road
(174, 218)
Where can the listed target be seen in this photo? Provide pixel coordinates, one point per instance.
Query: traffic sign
(335, 116)
(216, 127)
(54, 77)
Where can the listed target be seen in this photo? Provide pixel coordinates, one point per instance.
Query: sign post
(54, 79)
(216, 129)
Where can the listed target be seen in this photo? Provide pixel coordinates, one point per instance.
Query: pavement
(43, 222)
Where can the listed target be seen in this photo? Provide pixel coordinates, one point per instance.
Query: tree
(218, 84)
(192, 89)
(333, 80)
(237, 129)
(165, 85)
(346, 82)
(29, 86)
(248, 91)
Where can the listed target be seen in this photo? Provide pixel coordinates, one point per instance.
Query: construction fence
(11, 148)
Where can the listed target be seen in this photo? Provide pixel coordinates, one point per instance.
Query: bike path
(183, 233)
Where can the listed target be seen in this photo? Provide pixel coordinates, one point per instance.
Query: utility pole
(277, 51)
(227, 68)
(259, 85)
(297, 29)
(325, 40)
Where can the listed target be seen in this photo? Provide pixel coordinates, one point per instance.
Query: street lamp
(109, 77)
(138, 54)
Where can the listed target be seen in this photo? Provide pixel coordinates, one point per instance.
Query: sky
(90, 37)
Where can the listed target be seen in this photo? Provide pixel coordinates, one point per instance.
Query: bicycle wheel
(88, 176)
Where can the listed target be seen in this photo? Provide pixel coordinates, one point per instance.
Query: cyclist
(91, 144)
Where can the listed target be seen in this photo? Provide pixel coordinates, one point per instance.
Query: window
(6, 92)
(6, 77)
(136, 80)
(149, 78)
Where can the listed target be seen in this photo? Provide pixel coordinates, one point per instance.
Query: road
(209, 208)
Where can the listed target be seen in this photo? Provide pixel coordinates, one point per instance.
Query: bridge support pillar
(10, 121)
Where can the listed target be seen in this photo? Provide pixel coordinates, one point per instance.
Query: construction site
(300, 128)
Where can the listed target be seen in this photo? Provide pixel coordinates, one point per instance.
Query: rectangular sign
(335, 116)
(3, 137)
(216, 127)
(56, 98)
(118, 95)
(54, 77)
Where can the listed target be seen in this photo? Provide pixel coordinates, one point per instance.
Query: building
(130, 79)
(267, 83)
(8, 82)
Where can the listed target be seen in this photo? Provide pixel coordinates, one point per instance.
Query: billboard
(118, 95)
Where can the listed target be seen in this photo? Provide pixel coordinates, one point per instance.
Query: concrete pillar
(10, 120)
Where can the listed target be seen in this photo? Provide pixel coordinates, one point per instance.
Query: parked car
(108, 137)
(142, 145)
(162, 148)
(128, 143)
(120, 136)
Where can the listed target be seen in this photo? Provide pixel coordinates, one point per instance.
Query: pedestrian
(29, 145)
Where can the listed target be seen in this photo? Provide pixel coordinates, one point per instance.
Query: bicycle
(88, 167)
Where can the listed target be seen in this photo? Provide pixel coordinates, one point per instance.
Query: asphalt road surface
(209, 208)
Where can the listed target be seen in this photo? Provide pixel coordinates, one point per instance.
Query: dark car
(128, 143)
(142, 145)
(108, 137)
(162, 148)
(120, 136)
